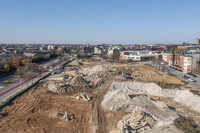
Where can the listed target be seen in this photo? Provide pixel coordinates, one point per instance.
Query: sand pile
(126, 97)
(123, 89)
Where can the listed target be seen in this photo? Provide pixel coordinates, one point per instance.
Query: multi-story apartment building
(172, 58)
(113, 51)
(189, 62)
(186, 63)
(197, 41)
(97, 50)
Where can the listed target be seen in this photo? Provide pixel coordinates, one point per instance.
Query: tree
(38, 58)
(16, 62)
(67, 49)
(59, 58)
(78, 56)
(115, 56)
(104, 56)
(31, 67)
(24, 61)
(1, 66)
(53, 54)
(129, 60)
(6, 68)
(20, 71)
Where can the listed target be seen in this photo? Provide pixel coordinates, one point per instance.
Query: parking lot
(195, 81)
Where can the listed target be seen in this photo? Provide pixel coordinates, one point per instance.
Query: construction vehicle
(81, 73)
(68, 73)
(61, 84)
(76, 72)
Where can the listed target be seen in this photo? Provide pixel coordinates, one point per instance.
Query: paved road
(6, 78)
(17, 87)
(179, 75)
(46, 63)
(12, 89)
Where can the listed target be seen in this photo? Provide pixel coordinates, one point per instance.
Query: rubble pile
(78, 81)
(54, 87)
(96, 69)
(76, 63)
(77, 88)
(126, 97)
(138, 74)
(137, 121)
(82, 96)
(96, 76)
(99, 82)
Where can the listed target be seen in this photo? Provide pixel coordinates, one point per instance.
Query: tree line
(8, 66)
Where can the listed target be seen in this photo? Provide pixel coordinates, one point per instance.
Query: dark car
(180, 70)
(128, 77)
(192, 74)
(185, 77)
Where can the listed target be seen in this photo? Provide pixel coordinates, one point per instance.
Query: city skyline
(97, 22)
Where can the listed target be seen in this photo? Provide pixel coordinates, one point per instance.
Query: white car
(192, 80)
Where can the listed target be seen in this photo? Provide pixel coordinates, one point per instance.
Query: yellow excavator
(68, 73)
(81, 73)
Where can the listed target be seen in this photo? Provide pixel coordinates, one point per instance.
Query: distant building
(113, 51)
(87, 49)
(140, 55)
(189, 62)
(172, 59)
(97, 50)
(42, 48)
(29, 54)
(52, 47)
(197, 41)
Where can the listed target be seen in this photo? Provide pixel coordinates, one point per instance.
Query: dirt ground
(37, 111)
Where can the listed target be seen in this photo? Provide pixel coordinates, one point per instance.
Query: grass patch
(185, 82)
(187, 125)
(165, 85)
(10, 81)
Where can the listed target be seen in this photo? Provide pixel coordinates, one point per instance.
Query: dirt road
(98, 114)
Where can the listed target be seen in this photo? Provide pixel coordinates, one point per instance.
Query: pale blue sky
(99, 21)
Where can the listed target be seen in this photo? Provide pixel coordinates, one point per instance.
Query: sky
(99, 21)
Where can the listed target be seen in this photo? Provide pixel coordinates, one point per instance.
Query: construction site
(91, 96)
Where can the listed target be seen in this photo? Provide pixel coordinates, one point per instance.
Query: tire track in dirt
(98, 114)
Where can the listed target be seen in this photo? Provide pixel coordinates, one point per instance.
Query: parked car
(192, 74)
(185, 77)
(180, 70)
(128, 77)
(192, 80)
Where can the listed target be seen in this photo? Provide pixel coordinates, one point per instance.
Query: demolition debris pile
(79, 80)
(54, 87)
(82, 96)
(126, 97)
(96, 69)
(76, 63)
(137, 121)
